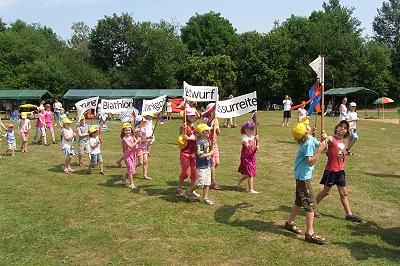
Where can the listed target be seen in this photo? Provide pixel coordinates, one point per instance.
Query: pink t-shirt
(128, 152)
(39, 123)
(48, 117)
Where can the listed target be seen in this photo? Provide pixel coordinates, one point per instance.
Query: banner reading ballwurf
(116, 106)
(237, 106)
(200, 93)
(156, 105)
(86, 104)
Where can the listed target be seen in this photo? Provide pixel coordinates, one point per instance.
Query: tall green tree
(207, 34)
(80, 39)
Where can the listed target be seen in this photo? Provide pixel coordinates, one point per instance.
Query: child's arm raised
(311, 160)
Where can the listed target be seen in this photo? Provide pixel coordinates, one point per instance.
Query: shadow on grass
(113, 181)
(168, 194)
(383, 175)
(363, 251)
(224, 214)
(232, 188)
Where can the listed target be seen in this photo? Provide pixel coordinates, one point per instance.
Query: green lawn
(47, 217)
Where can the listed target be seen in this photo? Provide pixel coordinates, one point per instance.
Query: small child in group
(68, 136)
(61, 117)
(24, 125)
(11, 142)
(40, 127)
(149, 132)
(334, 171)
(307, 155)
(82, 131)
(129, 150)
(247, 165)
(143, 150)
(187, 154)
(95, 152)
(203, 164)
(48, 118)
(301, 112)
(352, 119)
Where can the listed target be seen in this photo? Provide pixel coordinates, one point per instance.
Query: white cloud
(6, 3)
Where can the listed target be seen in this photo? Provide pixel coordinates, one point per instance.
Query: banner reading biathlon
(116, 106)
(237, 106)
(200, 93)
(86, 104)
(156, 105)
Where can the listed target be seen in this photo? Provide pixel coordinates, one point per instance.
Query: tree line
(120, 52)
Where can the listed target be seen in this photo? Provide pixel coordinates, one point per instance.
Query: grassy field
(47, 217)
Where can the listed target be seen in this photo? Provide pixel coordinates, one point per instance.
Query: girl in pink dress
(129, 147)
(247, 165)
(143, 149)
(48, 118)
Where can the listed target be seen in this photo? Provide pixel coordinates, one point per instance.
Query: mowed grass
(47, 217)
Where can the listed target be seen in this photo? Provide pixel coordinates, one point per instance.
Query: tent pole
(365, 106)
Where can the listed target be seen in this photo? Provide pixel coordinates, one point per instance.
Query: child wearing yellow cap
(68, 136)
(203, 164)
(307, 155)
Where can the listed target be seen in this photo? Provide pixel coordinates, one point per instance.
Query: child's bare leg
(145, 166)
(119, 162)
(293, 214)
(52, 135)
(309, 222)
(101, 165)
(205, 192)
(250, 183)
(344, 199)
(323, 193)
(241, 179)
(89, 168)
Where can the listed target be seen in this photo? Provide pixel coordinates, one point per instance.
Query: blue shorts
(353, 134)
(331, 178)
(95, 159)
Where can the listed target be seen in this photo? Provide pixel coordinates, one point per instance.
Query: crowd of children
(199, 154)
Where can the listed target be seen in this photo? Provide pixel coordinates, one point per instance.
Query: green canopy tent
(352, 90)
(79, 94)
(36, 95)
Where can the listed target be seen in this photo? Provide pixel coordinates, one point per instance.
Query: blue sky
(244, 15)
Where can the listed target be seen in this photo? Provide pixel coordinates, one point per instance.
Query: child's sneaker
(197, 195)
(132, 187)
(190, 196)
(354, 218)
(180, 192)
(208, 202)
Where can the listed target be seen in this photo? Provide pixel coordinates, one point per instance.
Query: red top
(190, 144)
(336, 154)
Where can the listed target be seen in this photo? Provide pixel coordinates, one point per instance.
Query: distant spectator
(287, 104)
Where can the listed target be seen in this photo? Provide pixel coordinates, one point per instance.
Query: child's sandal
(89, 172)
(316, 239)
(292, 228)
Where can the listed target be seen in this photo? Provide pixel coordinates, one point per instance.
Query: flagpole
(215, 126)
(323, 96)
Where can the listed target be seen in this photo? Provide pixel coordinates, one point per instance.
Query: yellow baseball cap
(24, 116)
(126, 125)
(202, 127)
(66, 121)
(300, 129)
(92, 130)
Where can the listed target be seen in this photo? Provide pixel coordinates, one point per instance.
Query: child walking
(352, 119)
(24, 125)
(129, 149)
(40, 127)
(48, 118)
(247, 165)
(334, 171)
(11, 142)
(203, 164)
(307, 155)
(82, 131)
(95, 152)
(66, 144)
(143, 150)
(187, 154)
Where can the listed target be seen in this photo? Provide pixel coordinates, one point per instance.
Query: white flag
(116, 106)
(86, 104)
(237, 106)
(318, 66)
(156, 105)
(200, 93)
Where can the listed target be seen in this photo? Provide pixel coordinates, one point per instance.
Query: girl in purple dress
(247, 165)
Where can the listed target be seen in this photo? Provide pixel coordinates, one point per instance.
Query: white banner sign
(116, 106)
(237, 106)
(156, 105)
(200, 93)
(86, 104)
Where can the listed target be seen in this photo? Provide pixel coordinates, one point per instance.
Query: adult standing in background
(343, 110)
(56, 108)
(287, 104)
(169, 109)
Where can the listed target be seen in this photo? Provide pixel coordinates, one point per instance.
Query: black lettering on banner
(234, 107)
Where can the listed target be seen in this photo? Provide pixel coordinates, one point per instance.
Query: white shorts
(203, 177)
(12, 146)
